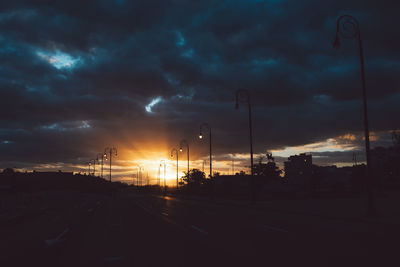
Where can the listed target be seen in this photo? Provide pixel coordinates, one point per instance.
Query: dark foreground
(129, 229)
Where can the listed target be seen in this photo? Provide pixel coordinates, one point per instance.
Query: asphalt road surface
(130, 229)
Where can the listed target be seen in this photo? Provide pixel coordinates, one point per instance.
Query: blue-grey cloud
(75, 77)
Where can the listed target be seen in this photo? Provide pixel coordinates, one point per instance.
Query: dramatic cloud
(142, 75)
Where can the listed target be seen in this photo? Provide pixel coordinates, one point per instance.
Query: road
(133, 229)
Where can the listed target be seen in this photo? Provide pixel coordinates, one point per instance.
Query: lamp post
(137, 177)
(159, 175)
(165, 177)
(244, 96)
(208, 128)
(348, 27)
(89, 163)
(141, 168)
(110, 151)
(133, 180)
(177, 164)
(101, 155)
(185, 143)
(94, 167)
(233, 166)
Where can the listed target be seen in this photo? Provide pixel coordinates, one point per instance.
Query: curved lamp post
(348, 27)
(101, 156)
(162, 162)
(137, 177)
(141, 170)
(89, 164)
(159, 175)
(185, 143)
(133, 178)
(110, 151)
(140, 177)
(243, 95)
(94, 167)
(177, 166)
(208, 128)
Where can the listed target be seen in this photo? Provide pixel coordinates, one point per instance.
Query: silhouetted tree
(195, 178)
(269, 169)
(8, 171)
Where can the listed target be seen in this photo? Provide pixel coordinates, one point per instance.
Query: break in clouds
(77, 78)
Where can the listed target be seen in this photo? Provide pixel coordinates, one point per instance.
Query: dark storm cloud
(77, 77)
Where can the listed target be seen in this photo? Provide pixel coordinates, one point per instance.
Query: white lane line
(265, 227)
(164, 218)
(51, 242)
(199, 230)
(164, 213)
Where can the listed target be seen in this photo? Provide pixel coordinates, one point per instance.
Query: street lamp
(162, 162)
(141, 169)
(97, 158)
(185, 143)
(94, 167)
(133, 178)
(348, 27)
(89, 163)
(244, 96)
(110, 151)
(159, 175)
(208, 128)
(137, 177)
(177, 164)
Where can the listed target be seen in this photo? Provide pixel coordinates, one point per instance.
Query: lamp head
(200, 136)
(180, 149)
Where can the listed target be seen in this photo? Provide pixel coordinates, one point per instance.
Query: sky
(77, 77)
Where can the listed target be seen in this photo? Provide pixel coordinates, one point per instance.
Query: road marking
(164, 218)
(199, 230)
(164, 213)
(52, 242)
(273, 228)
